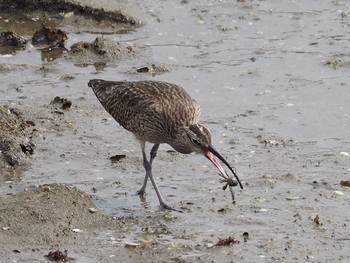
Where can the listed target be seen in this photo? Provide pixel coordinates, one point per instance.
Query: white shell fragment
(290, 198)
(131, 244)
(338, 193)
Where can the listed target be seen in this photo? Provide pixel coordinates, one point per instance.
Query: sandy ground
(272, 80)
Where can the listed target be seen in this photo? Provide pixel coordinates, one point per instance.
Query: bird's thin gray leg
(153, 154)
(148, 167)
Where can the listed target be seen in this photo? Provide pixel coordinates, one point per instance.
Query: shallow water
(259, 70)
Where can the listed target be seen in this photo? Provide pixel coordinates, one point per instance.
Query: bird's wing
(149, 109)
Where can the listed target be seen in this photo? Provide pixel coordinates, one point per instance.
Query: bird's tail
(100, 88)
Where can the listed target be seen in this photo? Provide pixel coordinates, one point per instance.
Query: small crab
(229, 182)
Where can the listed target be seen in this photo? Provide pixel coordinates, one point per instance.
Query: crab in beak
(211, 153)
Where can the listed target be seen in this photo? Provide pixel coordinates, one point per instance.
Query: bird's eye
(194, 141)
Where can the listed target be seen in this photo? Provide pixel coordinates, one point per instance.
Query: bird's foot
(141, 192)
(165, 206)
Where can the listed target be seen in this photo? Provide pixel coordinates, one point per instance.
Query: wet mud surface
(54, 214)
(272, 79)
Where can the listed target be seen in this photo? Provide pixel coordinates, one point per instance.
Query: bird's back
(154, 111)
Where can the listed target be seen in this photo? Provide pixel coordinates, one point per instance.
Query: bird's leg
(153, 154)
(148, 167)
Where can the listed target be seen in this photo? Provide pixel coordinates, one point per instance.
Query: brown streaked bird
(159, 112)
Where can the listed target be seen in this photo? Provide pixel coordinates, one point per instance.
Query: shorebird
(159, 112)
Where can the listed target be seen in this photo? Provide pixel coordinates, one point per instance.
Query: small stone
(168, 217)
(261, 199)
(338, 193)
(293, 198)
(131, 244)
(317, 220)
(92, 210)
(209, 245)
(245, 236)
(117, 157)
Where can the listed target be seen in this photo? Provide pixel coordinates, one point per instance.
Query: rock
(15, 139)
(10, 42)
(101, 50)
(49, 37)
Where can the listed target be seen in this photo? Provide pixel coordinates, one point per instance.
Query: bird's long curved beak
(210, 153)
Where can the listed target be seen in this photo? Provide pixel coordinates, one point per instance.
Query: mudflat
(271, 78)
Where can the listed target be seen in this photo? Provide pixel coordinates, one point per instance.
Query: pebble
(293, 198)
(92, 210)
(245, 236)
(262, 210)
(338, 193)
(131, 244)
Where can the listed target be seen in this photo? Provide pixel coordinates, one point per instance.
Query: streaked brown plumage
(157, 112)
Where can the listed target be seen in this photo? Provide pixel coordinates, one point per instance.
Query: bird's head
(197, 138)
